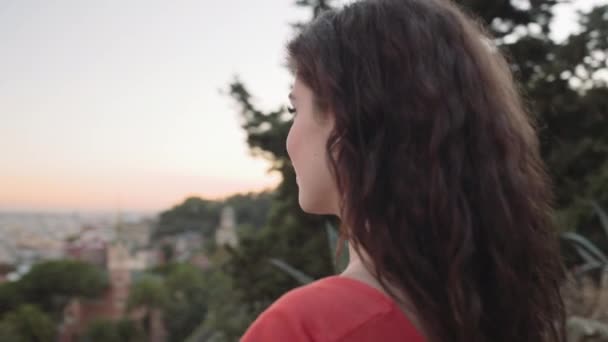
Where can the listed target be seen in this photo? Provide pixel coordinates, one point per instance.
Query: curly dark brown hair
(438, 166)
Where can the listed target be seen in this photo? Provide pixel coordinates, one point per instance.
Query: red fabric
(333, 309)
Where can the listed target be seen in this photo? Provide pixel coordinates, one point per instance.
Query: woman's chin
(305, 205)
(313, 207)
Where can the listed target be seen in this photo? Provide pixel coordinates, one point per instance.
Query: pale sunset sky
(116, 103)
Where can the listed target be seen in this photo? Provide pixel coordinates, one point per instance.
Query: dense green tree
(188, 301)
(226, 316)
(180, 291)
(566, 92)
(105, 330)
(27, 323)
(10, 296)
(150, 294)
(201, 215)
(51, 284)
(148, 291)
(251, 209)
(194, 214)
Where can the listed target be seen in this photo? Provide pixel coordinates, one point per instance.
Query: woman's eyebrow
(291, 96)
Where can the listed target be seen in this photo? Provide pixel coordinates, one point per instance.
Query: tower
(226, 232)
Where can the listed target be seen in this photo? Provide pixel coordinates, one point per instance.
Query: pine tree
(565, 91)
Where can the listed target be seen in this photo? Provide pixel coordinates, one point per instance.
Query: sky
(116, 104)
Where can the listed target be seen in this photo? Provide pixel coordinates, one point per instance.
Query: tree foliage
(51, 284)
(104, 330)
(565, 91)
(201, 215)
(194, 214)
(180, 291)
(27, 323)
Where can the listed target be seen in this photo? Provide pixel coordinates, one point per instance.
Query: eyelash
(291, 110)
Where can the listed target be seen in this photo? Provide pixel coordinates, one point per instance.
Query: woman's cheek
(292, 144)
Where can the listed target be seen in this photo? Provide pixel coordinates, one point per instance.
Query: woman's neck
(358, 270)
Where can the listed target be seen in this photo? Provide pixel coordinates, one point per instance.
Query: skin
(318, 193)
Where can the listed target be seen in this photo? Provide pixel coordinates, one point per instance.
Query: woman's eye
(291, 110)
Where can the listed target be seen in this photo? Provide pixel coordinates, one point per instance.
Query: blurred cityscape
(120, 245)
(27, 238)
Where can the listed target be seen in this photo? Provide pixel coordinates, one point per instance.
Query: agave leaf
(587, 267)
(332, 237)
(602, 215)
(588, 245)
(586, 255)
(298, 275)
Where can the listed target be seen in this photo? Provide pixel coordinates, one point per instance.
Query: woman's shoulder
(329, 309)
(334, 296)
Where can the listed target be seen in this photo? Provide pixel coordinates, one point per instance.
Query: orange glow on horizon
(154, 194)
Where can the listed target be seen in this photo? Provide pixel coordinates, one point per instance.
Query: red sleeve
(274, 325)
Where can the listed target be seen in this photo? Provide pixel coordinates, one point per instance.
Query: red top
(333, 309)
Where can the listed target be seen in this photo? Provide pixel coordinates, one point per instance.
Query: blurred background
(145, 190)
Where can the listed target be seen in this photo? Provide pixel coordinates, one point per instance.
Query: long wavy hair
(438, 166)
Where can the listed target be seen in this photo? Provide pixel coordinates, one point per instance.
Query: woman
(409, 128)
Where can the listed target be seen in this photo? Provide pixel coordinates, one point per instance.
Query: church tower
(226, 232)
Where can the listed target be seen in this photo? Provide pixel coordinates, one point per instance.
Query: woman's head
(412, 131)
